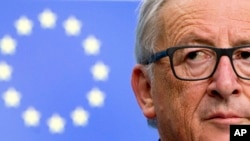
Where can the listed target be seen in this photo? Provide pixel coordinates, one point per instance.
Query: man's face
(198, 110)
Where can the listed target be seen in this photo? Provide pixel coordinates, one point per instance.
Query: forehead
(208, 18)
(222, 7)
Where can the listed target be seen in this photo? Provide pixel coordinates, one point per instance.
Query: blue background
(52, 72)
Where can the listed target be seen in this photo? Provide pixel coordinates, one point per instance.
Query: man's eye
(195, 55)
(245, 55)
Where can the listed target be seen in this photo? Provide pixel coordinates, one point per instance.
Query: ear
(142, 89)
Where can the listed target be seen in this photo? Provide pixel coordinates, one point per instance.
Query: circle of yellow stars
(91, 46)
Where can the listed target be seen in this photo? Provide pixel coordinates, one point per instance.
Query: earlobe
(142, 89)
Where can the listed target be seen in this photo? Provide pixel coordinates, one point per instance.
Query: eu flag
(65, 69)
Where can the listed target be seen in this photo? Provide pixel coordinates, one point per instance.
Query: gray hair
(148, 29)
(147, 32)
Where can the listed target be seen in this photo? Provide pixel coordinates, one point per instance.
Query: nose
(224, 82)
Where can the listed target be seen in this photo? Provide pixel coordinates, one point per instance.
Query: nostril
(235, 92)
(214, 93)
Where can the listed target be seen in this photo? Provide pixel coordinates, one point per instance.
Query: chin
(214, 135)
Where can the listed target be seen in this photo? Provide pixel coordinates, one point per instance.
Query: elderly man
(193, 71)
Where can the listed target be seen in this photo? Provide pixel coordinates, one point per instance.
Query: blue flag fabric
(65, 71)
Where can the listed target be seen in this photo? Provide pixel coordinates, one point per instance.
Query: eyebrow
(242, 42)
(207, 37)
(193, 38)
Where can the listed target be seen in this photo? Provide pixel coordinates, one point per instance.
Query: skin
(197, 110)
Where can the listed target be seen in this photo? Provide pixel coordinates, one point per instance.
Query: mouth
(225, 119)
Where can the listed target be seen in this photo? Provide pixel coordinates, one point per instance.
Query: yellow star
(47, 19)
(11, 98)
(5, 71)
(31, 117)
(56, 124)
(8, 45)
(91, 45)
(80, 117)
(96, 97)
(100, 71)
(72, 26)
(24, 26)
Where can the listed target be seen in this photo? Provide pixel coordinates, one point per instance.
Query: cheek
(177, 103)
(245, 88)
(179, 96)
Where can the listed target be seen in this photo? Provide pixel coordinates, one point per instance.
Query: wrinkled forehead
(207, 15)
(222, 6)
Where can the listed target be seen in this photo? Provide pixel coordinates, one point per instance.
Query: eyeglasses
(193, 63)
